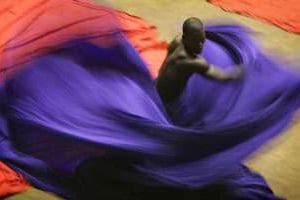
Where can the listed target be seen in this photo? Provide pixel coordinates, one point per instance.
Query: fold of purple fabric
(82, 101)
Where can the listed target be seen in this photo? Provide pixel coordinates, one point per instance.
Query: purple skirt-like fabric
(82, 101)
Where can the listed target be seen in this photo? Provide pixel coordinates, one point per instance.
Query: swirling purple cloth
(81, 101)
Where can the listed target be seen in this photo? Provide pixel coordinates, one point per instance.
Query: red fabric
(10, 181)
(282, 13)
(36, 26)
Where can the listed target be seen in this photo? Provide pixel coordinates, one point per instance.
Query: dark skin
(183, 61)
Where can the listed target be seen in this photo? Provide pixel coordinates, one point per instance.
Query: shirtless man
(183, 60)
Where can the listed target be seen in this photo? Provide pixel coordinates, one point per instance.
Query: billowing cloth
(29, 28)
(10, 181)
(282, 13)
(89, 94)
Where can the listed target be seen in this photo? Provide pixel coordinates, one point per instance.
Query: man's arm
(217, 73)
(211, 71)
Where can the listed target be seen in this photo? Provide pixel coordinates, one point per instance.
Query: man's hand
(237, 72)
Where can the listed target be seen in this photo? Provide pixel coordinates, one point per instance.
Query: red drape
(28, 27)
(10, 181)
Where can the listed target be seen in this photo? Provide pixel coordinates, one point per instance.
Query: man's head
(193, 36)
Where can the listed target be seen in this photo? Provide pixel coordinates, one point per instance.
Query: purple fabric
(82, 101)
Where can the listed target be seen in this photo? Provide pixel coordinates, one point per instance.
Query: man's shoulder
(177, 38)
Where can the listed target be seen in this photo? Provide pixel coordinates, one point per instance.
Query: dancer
(183, 60)
(95, 97)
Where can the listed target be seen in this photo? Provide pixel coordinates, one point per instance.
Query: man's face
(193, 42)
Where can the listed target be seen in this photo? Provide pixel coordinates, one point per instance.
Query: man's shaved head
(193, 36)
(192, 24)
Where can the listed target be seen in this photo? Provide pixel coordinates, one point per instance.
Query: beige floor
(279, 160)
